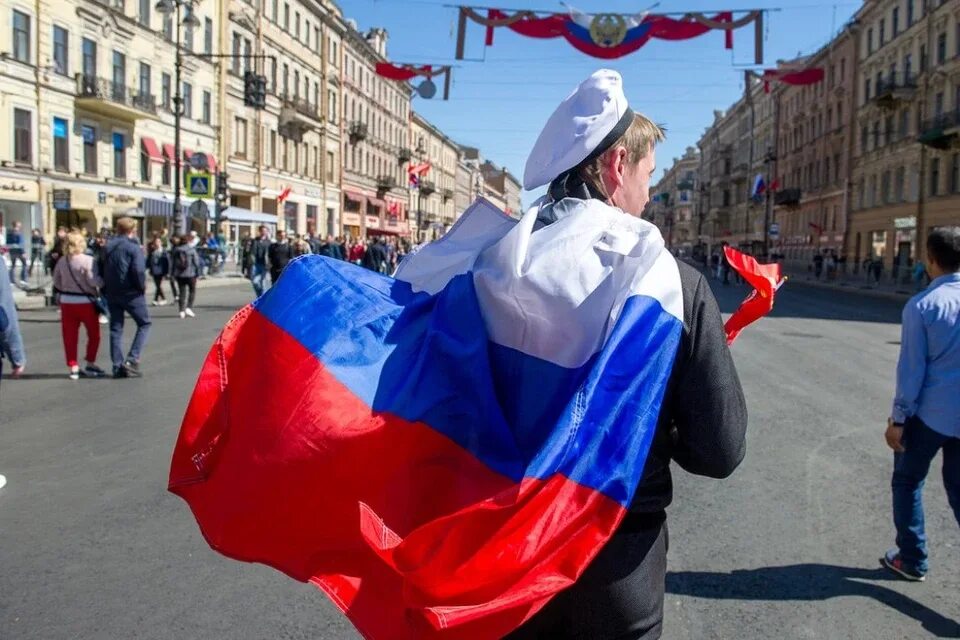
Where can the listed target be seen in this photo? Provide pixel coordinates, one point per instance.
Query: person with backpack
(75, 277)
(185, 270)
(158, 264)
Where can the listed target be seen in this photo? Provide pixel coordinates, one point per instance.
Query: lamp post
(769, 159)
(166, 8)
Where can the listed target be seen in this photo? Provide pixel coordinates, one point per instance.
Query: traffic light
(254, 90)
(223, 189)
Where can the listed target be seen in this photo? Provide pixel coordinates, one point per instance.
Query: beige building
(672, 203)
(814, 146)
(376, 144)
(293, 145)
(906, 177)
(433, 206)
(501, 188)
(87, 101)
(469, 179)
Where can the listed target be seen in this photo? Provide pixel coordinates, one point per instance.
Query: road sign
(199, 161)
(61, 199)
(199, 209)
(774, 230)
(199, 185)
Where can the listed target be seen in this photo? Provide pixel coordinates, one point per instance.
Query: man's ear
(617, 166)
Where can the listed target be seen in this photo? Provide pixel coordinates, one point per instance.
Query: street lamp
(166, 8)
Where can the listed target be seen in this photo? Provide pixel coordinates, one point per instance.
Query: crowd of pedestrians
(261, 256)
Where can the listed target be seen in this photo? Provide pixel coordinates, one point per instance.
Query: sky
(502, 95)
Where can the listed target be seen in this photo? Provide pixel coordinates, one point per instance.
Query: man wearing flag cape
(478, 447)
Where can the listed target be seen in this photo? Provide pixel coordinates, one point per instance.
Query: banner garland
(609, 35)
(802, 77)
(405, 72)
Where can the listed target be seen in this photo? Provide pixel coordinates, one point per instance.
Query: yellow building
(433, 206)
(292, 147)
(88, 104)
(906, 177)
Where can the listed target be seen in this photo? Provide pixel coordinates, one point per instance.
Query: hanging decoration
(801, 77)
(609, 35)
(416, 173)
(405, 72)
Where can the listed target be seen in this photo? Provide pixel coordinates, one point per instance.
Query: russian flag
(759, 187)
(443, 451)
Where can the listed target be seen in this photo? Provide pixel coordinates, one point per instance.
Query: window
(61, 50)
(296, 83)
(240, 144)
(119, 75)
(296, 24)
(274, 13)
(207, 35)
(941, 48)
(955, 174)
(247, 52)
(145, 173)
(895, 21)
(205, 115)
(909, 13)
(273, 148)
(898, 184)
(869, 41)
(935, 176)
(273, 75)
(882, 30)
(907, 68)
(22, 136)
(187, 100)
(286, 16)
(89, 50)
(89, 135)
(938, 105)
(168, 26)
(119, 155)
(863, 139)
(144, 80)
(923, 58)
(21, 36)
(330, 165)
(144, 14)
(286, 79)
(866, 90)
(890, 131)
(165, 83)
(235, 62)
(316, 162)
(316, 39)
(885, 188)
(904, 123)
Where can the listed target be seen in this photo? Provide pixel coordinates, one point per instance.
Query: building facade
(501, 188)
(376, 146)
(89, 111)
(671, 206)
(434, 201)
(469, 181)
(814, 148)
(283, 161)
(906, 175)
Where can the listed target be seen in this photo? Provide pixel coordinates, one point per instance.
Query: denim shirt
(928, 373)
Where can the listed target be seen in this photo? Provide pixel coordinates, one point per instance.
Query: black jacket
(259, 249)
(123, 268)
(280, 254)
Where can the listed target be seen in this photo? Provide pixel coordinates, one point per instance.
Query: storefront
(352, 225)
(19, 202)
(239, 222)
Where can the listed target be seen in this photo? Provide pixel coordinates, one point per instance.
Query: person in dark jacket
(55, 252)
(158, 264)
(185, 268)
(16, 248)
(281, 253)
(702, 422)
(259, 257)
(124, 286)
(375, 257)
(331, 249)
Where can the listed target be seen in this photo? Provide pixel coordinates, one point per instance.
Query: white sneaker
(74, 373)
(104, 320)
(190, 313)
(183, 315)
(3, 480)
(154, 303)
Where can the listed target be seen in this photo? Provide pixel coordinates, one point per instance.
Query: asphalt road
(92, 545)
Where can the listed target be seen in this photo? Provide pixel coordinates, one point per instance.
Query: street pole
(419, 215)
(177, 105)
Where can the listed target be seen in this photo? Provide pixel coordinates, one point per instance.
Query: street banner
(442, 452)
(766, 279)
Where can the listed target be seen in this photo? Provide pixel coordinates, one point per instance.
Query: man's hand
(894, 436)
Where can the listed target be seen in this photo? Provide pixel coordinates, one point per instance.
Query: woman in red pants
(74, 277)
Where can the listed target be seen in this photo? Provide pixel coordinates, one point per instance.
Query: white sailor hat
(585, 125)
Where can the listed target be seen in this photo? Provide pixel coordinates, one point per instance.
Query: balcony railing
(895, 88)
(787, 197)
(404, 155)
(447, 194)
(427, 188)
(385, 183)
(357, 131)
(101, 89)
(303, 107)
(938, 132)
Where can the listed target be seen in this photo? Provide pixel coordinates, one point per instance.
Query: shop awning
(354, 195)
(377, 202)
(151, 149)
(238, 214)
(169, 152)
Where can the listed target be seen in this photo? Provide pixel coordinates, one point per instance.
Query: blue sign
(198, 185)
(59, 128)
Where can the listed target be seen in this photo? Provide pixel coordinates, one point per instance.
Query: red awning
(354, 195)
(377, 202)
(211, 163)
(151, 149)
(187, 154)
(169, 152)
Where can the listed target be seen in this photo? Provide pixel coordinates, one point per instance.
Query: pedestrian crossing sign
(198, 185)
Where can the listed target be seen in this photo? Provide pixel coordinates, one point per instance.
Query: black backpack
(182, 262)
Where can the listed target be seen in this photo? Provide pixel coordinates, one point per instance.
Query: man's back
(124, 268)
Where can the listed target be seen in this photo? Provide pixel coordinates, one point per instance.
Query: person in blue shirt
(16, 246)
(926, 409)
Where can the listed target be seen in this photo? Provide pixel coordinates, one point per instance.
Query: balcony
(447, 194)
(404, 155)
(787, 197)
(427, 188)
(941, 131)
(357, 131)
(385, 183)
(895, 89)
(116, 101)
(685, 185)
(739, 172)
(300, 114)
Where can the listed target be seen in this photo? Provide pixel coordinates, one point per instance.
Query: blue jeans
(17, 254)
(137, 308)
(909, 473)
(258, 273)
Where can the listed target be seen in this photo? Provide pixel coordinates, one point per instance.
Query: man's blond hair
(125, 225)
(639, 139)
